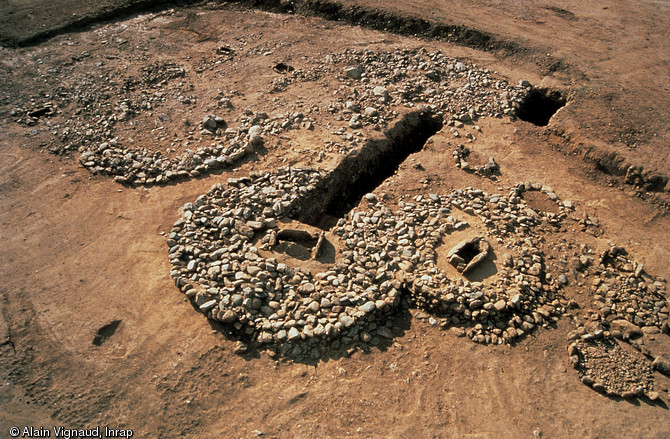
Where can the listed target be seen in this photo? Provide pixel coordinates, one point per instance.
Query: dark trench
(362, 171)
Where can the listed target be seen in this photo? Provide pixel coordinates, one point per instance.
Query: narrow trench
(540, 105)
(363, 170)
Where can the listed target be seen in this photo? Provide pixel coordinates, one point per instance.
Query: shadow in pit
(484, 269)
(311, 351)
(539, 105)
(304, 252)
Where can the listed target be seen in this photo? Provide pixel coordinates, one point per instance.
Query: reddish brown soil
(80, 251)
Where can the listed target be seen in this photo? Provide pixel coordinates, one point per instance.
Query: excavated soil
(108, 145)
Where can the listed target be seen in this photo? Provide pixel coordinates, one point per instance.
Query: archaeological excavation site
(334, 218)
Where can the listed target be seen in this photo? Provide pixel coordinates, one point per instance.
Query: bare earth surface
(93, 330)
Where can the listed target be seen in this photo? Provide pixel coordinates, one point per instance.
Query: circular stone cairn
(215, 252)
(608, 367)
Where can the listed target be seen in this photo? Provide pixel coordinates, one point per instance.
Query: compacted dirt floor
(108, 128)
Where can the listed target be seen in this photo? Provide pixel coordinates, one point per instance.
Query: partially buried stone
(229, 316)
(661, 364)
(209, 123)
(255, 138)
(240, 348)
(587, 380)
(381, 92)
(458, 332)
(354, 72)
(478, 245)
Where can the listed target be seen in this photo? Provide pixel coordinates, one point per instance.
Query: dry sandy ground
(80, 251)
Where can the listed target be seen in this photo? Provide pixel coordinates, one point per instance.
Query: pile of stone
(611, 368)
(220, 248)
(275, 125)
(219, 267)
(622, 290)
(627, 301)
(628, 304)
(409, 77)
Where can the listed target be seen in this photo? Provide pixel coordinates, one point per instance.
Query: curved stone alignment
(378, 84)
(221, 248)
(132, 166)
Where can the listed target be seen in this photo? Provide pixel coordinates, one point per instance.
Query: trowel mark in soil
(105, 332)
(539, 105)
(364, 170)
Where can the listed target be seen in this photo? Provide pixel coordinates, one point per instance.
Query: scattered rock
(662, 364)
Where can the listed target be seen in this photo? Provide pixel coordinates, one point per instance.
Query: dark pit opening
(281, 67)
(297, 236)
(104, 332)
(44, 111)
(539, 105)
(363, 170)
(468, 252)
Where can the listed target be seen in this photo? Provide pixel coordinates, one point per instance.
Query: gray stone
(209, 123)
(381, 92)
(368, 307)
(458, 332)
(661, 364)
(385, 332)
(255, 130)
(208, 305)
(281, 335)
(371, 111)
(293, 334)
(347, 321)
(354, 72)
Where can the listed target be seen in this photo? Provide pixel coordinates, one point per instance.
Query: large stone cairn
(216, 251)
